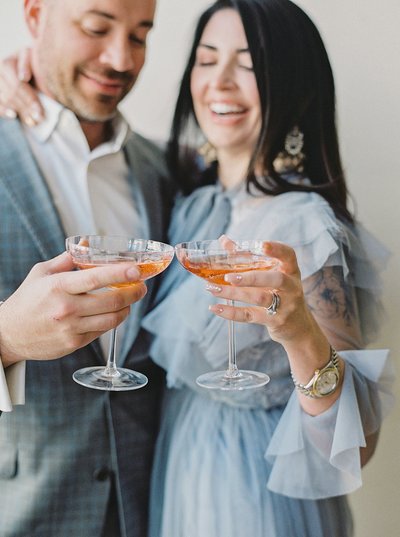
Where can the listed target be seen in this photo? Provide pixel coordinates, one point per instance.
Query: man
(75, 461)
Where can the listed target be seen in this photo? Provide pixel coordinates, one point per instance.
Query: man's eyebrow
(212, 47)
(104, 14)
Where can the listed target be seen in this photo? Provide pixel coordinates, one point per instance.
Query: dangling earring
(208, 152)
(292, 158)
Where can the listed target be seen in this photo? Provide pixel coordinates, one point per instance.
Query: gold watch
(324, 381)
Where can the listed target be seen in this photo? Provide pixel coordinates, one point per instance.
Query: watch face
(326, 382)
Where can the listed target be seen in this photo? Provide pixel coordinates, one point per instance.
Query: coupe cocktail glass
(151, 258)
(211, 260)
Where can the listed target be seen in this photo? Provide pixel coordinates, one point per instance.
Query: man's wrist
(3, 358)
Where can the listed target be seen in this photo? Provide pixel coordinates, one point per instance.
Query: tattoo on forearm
(328, 296)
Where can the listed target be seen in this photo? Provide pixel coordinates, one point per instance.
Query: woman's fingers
(245, 314)
(272, 296)
(7, 112)
(286, 256)
(24, 70)
(17, 96)
(24, 102)
(258, 289)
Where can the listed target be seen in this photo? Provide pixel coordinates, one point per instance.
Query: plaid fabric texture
(60, 451)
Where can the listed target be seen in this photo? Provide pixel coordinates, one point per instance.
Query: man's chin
(95, 113)
(95, 117)
(96, 108)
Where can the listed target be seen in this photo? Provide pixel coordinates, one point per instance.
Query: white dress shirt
(90, 190)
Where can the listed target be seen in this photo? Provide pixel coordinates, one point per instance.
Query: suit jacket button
(101, 474)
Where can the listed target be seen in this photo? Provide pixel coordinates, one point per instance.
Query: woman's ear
(32, 12)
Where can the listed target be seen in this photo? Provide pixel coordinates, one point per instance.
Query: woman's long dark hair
(296, 87)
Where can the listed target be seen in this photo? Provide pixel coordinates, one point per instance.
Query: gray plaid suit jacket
(61, 450)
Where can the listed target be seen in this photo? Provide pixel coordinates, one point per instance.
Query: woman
(275, 461)
(278, 460)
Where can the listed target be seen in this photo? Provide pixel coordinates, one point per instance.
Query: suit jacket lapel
(145, 183)
(28, 192)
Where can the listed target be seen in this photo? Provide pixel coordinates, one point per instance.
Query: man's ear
(32, 12)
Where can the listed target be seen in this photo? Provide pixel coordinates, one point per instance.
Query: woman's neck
(232, 169)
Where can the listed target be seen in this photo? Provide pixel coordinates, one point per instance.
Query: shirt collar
(54, 112)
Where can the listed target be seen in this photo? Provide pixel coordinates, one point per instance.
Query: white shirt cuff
(12, 386)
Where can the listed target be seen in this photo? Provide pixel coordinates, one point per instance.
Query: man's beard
(84, 107)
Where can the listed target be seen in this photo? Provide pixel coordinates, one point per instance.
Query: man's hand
(53, 312)
(17, 96)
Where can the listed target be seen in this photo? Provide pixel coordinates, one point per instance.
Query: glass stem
(233, 370)
(111, 368)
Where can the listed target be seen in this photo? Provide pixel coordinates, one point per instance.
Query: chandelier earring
(208, 152)
(292, 158)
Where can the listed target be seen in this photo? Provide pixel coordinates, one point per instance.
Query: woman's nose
(223, 77)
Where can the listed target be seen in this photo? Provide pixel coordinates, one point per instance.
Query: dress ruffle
(304, 221)
(318, 457)
(303, 457)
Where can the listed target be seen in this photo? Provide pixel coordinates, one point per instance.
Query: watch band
(311, 388)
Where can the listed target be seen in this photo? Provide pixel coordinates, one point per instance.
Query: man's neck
(96, 132)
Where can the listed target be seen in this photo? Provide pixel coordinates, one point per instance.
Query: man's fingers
(61, 263)
(84, 281)
(100, 324)
(108, 300)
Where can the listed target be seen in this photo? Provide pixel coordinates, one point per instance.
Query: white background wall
(363, 40)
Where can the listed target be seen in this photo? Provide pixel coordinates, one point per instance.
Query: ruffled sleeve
(188, 340)
(306, 222)
(317, 457)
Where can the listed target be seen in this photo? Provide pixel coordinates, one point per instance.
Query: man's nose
(118, 55)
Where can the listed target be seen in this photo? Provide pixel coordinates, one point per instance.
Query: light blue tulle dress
(253, 463)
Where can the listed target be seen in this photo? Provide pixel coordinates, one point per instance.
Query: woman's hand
(17, 96)
(256, 288)
(294, 325)
(312, 314)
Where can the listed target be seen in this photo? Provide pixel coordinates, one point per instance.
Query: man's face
(87, 54)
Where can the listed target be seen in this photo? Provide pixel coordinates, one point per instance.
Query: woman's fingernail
(213, 288)
(216, 308)
(10, 113)
(233, 278)
(29, 121)
(36, 114)
(23, 76)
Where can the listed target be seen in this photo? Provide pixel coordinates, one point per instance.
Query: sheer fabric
(253, 462)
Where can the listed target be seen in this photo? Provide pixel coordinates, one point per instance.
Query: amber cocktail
(151, 258)
(212, 260)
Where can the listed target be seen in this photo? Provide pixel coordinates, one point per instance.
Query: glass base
(96, 378)
(243, 380)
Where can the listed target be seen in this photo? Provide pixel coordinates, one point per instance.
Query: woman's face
(224, 88)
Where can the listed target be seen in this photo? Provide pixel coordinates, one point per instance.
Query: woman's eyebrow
(212, 47)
